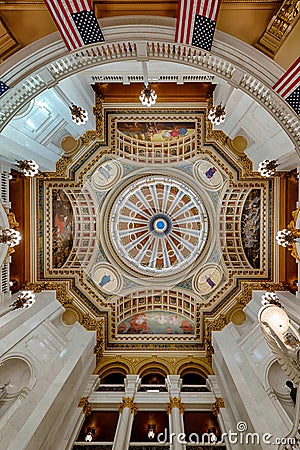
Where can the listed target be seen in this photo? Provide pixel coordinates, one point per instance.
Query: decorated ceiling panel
(155, 224)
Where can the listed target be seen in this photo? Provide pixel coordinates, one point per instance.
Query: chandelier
(28, 167)
(286, 237)
(217, 114)
(267, 168)
(90, 434)
(24, 300)
(148, 96)
(10, 237)
(270, 298)
(79, 115)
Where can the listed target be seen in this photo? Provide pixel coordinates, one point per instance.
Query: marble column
(175, 410)
(127, 410)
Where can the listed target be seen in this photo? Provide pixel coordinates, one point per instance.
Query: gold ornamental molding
(85, 405)
(212, 325)
(279, 27)
(219, 403)
(60, 169)
(127, 402)
(61, 289)
(248, 287)
(175, 402)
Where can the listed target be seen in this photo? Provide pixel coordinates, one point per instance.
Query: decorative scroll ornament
(175, 402)
(127, 402)
(85, 405)
(219, 403)
(281, 336)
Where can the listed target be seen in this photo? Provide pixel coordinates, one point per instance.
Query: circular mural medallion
(208, 174)
(158, 225)
(107, 278)
(106, 175)
(207, 279)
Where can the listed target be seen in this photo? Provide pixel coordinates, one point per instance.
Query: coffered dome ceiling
(156, 227)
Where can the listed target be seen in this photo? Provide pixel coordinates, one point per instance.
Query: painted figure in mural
(210, 282)
(210, 172)
(105, 280)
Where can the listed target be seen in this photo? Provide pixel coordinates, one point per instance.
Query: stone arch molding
(43, 64)
(17, 377)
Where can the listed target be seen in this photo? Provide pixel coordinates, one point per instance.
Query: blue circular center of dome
(160, 224)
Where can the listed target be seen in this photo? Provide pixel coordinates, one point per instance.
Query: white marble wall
(242, 363)
(39, 410)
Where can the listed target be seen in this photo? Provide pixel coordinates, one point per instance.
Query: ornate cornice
(175, 402)
(85, 405)
(219, 403)
(61, 289)
(60, 169)
(127, 402)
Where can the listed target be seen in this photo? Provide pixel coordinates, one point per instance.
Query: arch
(49, 64)
(114, 367)
(200, 368)
(153, 367)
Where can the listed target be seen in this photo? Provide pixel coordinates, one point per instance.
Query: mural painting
(156, 322)
(62, 228)
(251, 227)
(157, 131)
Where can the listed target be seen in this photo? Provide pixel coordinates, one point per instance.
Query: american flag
(3, 87)
(196, 22)
(76, 22)
(288, 86)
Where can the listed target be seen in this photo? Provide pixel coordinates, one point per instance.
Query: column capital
(85, 405)
(127, 402)
(175, 402)
(219, 403)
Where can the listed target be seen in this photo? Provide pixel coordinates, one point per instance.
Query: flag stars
(88, 27)
(294, 100)
(3, 87)
(203, 34)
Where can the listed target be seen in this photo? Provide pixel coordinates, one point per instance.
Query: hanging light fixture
(24, 300)
(90, 434)
(148, 96)
(267, 168)
(217, 114)
(151, 431)
(10, 237)
(28, 167)
(79, 115)
(270, 297)
(285, 237)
